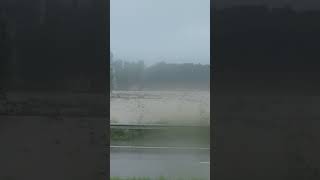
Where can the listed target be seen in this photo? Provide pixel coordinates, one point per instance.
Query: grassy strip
(158, 178)
(127, 135)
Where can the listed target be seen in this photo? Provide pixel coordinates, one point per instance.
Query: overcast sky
(175, 31)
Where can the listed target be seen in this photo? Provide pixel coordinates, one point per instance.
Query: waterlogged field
(174, 107)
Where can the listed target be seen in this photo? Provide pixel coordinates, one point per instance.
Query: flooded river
(160, 107)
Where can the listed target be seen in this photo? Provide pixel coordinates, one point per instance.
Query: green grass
(159, 137)
(126, 135)
(157, 178)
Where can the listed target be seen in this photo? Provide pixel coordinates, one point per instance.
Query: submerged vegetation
(195, 136)
(126, 134)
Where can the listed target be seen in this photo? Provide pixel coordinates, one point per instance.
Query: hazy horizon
(175, 31)
(155, 62)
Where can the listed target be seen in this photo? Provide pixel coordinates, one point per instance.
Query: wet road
(160, 162)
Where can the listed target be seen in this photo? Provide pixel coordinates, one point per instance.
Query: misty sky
(175, 31)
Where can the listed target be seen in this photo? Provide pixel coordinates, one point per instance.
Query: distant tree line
(160, 76)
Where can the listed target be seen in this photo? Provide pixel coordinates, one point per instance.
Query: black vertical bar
(108, 51)
(54, 96)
